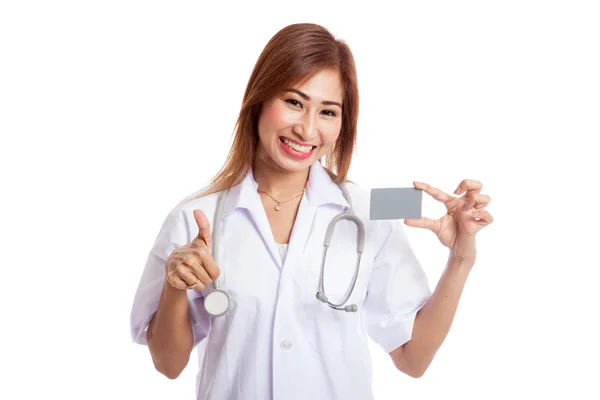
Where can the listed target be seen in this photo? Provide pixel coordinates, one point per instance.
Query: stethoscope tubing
(348, 214)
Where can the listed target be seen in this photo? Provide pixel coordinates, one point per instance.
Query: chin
(295, 165)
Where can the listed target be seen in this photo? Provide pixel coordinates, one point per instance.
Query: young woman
(295, 326)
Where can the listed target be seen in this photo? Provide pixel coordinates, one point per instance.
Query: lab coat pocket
(322, 326)
(328, 330)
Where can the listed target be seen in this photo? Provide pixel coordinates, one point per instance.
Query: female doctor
(293, 314)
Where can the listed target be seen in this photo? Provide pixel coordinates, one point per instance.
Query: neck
(277, 182)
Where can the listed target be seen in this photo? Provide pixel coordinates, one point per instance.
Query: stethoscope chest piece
(216, 303)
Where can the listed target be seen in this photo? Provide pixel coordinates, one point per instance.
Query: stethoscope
(216, 303)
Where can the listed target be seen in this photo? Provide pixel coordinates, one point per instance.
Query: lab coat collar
(241, 195)
(320, 190)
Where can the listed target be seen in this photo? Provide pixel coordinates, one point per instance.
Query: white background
(113, 111)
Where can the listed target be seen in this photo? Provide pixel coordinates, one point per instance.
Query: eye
(294, 102)
(330, 113)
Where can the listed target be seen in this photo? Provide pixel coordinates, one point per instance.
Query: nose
(306, 127)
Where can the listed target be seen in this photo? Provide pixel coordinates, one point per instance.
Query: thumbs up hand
(192, 266)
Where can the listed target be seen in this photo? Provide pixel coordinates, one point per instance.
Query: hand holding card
(465, 216)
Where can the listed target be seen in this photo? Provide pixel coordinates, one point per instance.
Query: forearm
(169, 336)
(433, 321)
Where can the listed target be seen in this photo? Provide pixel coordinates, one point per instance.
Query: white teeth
(297, 147)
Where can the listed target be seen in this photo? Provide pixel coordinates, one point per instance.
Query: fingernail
(475, 213)
(457, 191)
(466, 206)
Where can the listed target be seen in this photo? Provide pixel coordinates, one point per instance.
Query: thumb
(423, 222)
(203, 227)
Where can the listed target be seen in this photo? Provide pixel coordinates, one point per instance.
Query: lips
(303, 148)
(299, 152)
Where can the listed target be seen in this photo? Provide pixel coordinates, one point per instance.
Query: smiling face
(301, 125)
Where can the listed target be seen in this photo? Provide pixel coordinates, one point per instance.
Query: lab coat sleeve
(174, 233)
(398, 288)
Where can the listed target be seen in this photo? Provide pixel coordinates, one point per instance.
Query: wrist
(461, 262)
(172, 292)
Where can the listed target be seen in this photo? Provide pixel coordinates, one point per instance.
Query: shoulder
(197, 200)
(360, 196)
(181, 216)
(388, 237)
(361, 203)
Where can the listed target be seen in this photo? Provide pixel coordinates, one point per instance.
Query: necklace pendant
(277, 207)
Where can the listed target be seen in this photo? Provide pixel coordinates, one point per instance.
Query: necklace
(279, 203)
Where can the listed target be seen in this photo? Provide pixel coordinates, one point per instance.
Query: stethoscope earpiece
(322, 297)
(351, 308)
(348, 308)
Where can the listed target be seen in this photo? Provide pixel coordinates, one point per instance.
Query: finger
(434, 192)
(422, 222)
(184, 272)
(202, 276)
(203, 227)
(209, 264)
(478, 200)
(483, 217)
(192, 257)
(199, 260)
(176, 282)
(467, 185)
(195, 263)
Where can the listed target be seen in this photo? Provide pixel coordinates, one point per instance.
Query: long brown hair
(292, 56)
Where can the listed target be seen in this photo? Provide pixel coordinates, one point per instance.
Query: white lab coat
(277, 341)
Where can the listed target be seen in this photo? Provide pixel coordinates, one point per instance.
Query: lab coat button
(286, 345)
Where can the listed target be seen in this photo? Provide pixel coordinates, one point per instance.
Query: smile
(295, 146)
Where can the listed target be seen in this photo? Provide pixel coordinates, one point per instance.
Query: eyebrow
(307, 98)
